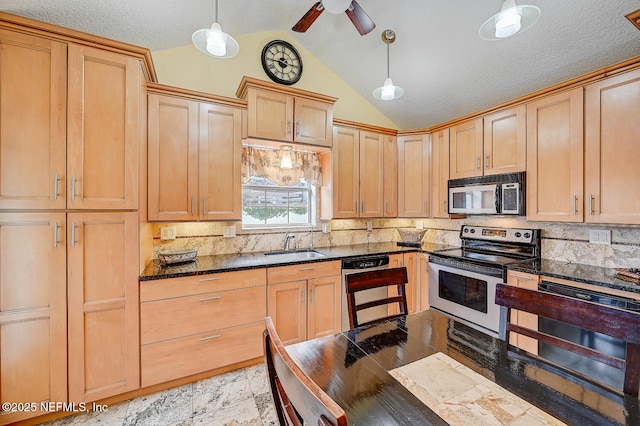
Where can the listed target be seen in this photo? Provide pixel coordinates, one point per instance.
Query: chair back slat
(297, 398)
(384, 278)
(613, 322)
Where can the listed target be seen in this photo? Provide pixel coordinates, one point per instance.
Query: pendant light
(509, 21)
(214, 42)
(388, 91)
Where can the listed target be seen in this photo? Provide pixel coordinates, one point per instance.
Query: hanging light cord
(216, 11)
(388, 74)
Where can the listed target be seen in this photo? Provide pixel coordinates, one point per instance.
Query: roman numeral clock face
(282, 62)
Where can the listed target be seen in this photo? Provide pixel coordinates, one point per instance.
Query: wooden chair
(298, 400)
(362, 281)
(623, 325)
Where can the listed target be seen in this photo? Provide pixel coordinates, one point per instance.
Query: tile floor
(240, 397)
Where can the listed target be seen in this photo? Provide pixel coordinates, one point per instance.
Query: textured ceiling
(447, 71)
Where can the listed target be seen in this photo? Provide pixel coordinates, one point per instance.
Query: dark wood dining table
(353, 368)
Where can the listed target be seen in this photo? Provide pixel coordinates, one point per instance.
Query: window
(267, 204)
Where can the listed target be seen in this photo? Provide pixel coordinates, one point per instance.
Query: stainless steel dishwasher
(363, 264)
(600, 342)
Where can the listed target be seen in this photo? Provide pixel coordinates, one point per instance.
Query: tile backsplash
(565, 242)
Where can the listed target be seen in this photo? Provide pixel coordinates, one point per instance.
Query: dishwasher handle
(621, 302)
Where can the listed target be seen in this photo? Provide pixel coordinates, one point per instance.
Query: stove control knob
(466, 230)
(518, 235)
(527, 235)
(473, 231)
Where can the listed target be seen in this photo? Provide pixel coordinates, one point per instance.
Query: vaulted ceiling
(446, 69)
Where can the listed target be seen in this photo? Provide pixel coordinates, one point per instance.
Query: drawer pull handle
(73, 187)
(204, 339)
(202, 280)
(55, 186)
(521, 277)
(307, 269)
(210, 298)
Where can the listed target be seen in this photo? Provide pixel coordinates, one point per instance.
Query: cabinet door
(270, 115)
(612, 132)
(104, 129)
(555, 153)
(465, 149)
(505, 141)
(313, 122)
(173, 158)
(371, 176)
(413, 290)
(324, 307)
(103, 304)
(396, 260)
(390, 183)
(422, 274)
(287, 306)
(220, 160)
(345, 159)
(33, 315)
(440, 174)
(32, 112)
(413, 176)
(525, 319)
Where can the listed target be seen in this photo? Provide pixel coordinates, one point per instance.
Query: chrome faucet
(287, 240)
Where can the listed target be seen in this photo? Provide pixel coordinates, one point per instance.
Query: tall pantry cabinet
(71, 117)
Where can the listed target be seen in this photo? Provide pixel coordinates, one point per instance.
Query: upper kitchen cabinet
(491, 145)
(440, 173)
(285, 114)
(612, 132)
(33, 136)
(555, 154)
(104, 95)
(363, 174)
(195, 153)
(414, 154)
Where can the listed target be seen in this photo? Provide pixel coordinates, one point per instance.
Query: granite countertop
(234, 262)
(595, 275)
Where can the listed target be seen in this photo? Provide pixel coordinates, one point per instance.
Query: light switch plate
(600, 236)
(229, 231)
(168, 233)
(369, 226)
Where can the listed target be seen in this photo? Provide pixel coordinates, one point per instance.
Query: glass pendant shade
(214, 42)
(336, 6)
(511, 20)
(388, 92)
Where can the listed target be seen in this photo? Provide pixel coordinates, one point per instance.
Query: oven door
(470, 296)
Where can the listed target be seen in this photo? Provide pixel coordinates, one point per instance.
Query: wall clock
(282, 62)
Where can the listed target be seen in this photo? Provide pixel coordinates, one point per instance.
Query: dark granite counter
(234, 262)
(588, 274)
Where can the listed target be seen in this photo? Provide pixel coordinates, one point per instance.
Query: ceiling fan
(358, 16)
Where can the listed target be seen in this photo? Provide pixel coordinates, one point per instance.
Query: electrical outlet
(326, 228)
(600, 236)
(168, 233)
(229, 231)
(369, 226)
(419, 225)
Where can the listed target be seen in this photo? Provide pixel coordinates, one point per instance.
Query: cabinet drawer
(172, 318)
(183, 357)
(303, 271)
(199, 284)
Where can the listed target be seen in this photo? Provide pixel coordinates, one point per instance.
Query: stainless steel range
(462, 282)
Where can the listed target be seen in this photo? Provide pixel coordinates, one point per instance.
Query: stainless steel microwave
(487, 195)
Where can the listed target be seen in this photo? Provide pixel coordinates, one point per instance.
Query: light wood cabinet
(304, 300)
(525, 319)
(440, 174)
(555, 154)
(198, 323)
(287, 114)
(103, 304)
(195, 151)
(33, 310)
(422, 273)
(33, 139)
(612, 131)
(417, 292)
(413, 289)
(358, 179)
(390, 179)
(490, 145)
(414, 157)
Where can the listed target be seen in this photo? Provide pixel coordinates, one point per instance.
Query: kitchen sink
(294, 255)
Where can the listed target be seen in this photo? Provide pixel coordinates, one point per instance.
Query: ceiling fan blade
(309, 18)
(360, 19)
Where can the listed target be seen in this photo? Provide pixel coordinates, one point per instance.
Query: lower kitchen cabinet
(308, 307)
(416, 289)
(33, 310)
(103, 318)
(199, 323)
(422, 279)
(528, 281)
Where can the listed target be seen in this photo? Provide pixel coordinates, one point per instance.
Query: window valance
(283, 166)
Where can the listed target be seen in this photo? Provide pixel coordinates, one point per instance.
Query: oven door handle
(498, 198)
